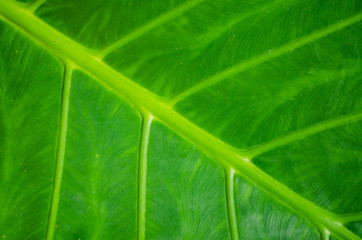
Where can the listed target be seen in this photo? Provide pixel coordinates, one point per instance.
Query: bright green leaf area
(183, 119)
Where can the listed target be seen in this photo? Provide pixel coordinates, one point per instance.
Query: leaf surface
(186, 120)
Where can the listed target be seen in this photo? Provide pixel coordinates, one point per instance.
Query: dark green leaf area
(309, 85)
(98, 23)
(216, 35)
(30, 88)
(185, 191)
(355, 227)
(324, 168)
(98, 198)
(25, 1)
(261, 217)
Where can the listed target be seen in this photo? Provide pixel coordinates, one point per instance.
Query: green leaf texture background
(180, 119)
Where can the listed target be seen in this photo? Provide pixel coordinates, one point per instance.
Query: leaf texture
(180, 120)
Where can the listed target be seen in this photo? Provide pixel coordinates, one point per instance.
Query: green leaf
(198, 119)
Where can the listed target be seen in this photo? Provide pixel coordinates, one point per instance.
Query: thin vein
(149, 26)
(351, 217)
(303, 133)
(133, 93)
(59, 164)
(34, 5)
(142, 176)
(229, 177)
(269, 55)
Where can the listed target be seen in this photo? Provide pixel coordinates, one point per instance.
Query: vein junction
(148, 27)
(143, 99)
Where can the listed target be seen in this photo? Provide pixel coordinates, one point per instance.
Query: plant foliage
(182, 119)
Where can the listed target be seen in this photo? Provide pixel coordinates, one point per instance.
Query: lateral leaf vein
(269, 55)
(144, 99)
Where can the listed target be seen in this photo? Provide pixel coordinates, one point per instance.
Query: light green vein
(351, 217)
(133, 93)
(302, 133)
(149, 26)
(269, 55)
(142, 175)
(229, 177)
(57, 181)
(34, 5)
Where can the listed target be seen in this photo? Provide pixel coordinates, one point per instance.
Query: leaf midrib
(229, 157)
